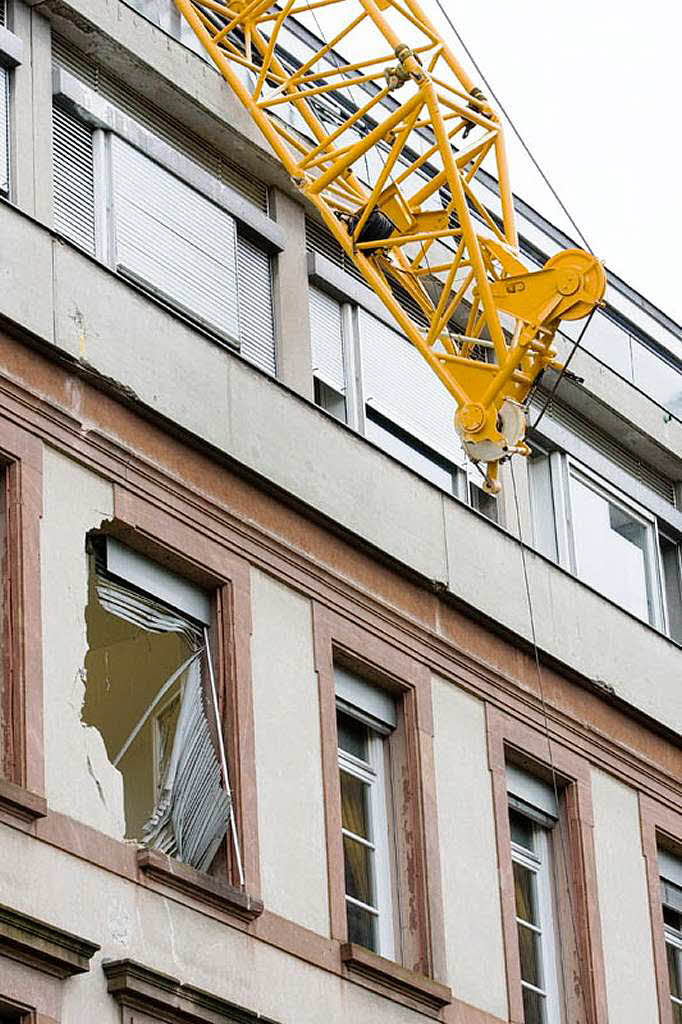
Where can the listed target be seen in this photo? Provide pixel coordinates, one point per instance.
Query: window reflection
(611, 549)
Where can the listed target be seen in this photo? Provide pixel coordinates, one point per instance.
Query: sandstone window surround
(528, 781)
(151, 692)
(409, 911)
(661, 827)
(22, 782)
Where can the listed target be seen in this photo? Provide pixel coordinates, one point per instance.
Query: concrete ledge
(175, 875)
(137, 987)
(11, 48)
(45, 947)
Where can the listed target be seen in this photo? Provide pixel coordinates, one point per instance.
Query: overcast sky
(594, 87)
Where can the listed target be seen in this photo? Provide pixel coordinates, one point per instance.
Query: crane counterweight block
(390, 158)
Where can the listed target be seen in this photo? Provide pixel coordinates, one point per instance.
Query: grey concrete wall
(293, 850)
(623, 902)
(466, 829)
(79, 779)
(294, 360)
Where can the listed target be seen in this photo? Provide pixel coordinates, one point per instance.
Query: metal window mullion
(534, 988)
(529, 925)
(357, 381)
(350, 365)
(104, 214)
(354, 766)
(562, 510)
(358, 839)
(364, 906)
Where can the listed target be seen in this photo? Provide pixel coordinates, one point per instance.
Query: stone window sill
(19, 803)
(171, 873)
(392, 979)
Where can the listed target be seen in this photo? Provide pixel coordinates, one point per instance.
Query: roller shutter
(74, 194)
(173, 241)
(256, 321)
(399, 384)
(327, 339)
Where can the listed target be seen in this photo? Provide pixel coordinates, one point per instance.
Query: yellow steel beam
(395, 181)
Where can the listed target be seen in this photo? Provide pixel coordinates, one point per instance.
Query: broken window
(151, 693)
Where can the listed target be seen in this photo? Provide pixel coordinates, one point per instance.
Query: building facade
(240, 541)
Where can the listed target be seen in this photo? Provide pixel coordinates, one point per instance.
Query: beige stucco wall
(471, 891)
(130, 921)
(79, 779)
(623, 903)
(293, 857)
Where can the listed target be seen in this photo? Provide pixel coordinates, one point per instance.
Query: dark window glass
(521, 830)
(361, 926)
(353, 735)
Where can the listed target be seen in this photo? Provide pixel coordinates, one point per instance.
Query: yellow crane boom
(393, 176)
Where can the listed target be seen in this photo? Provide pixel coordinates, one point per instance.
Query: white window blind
(353, 692)
(399, 384)
(4, 130)
(173, 241)
(74, 196)
(327, 339)
(256, 321)
(532, 791)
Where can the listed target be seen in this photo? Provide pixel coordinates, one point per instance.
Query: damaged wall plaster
(79, 779)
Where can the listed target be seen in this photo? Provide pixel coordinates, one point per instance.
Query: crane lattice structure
(393, 176)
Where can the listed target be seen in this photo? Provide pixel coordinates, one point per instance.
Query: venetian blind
(327, 339)
(256, 319)
(74, 198)
(173, 241)
(400, 385)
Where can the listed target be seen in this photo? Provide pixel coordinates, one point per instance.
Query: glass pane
(610, 548)
(674, 970)
(358, 867)
(533, 1007)
(524, 889)
(673, 586)
(355, 805)
(530, 955)
(542, 501)
(521, 830)
(353, 735)
(672, 918)
(361, 926)
(677, 1013)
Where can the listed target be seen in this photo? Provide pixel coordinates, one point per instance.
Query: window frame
(421, 931)
(562, 468)
(512, 741)
(540, 863)
(377, 776)
(661, 829)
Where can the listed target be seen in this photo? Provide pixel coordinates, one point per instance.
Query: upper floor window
(152, 693)
(605, 538)
(671, 899)
(163, 235)
(533, 815)
(367, 375)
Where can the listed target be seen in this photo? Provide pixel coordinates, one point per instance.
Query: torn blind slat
(193, 809)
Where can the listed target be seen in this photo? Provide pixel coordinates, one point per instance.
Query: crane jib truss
(393, 176)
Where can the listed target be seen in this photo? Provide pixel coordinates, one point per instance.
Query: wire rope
(512, 125)
(552, 768)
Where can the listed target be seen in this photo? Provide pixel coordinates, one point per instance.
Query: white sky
(594, 87)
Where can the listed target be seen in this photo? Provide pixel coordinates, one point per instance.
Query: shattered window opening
(148, 693)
